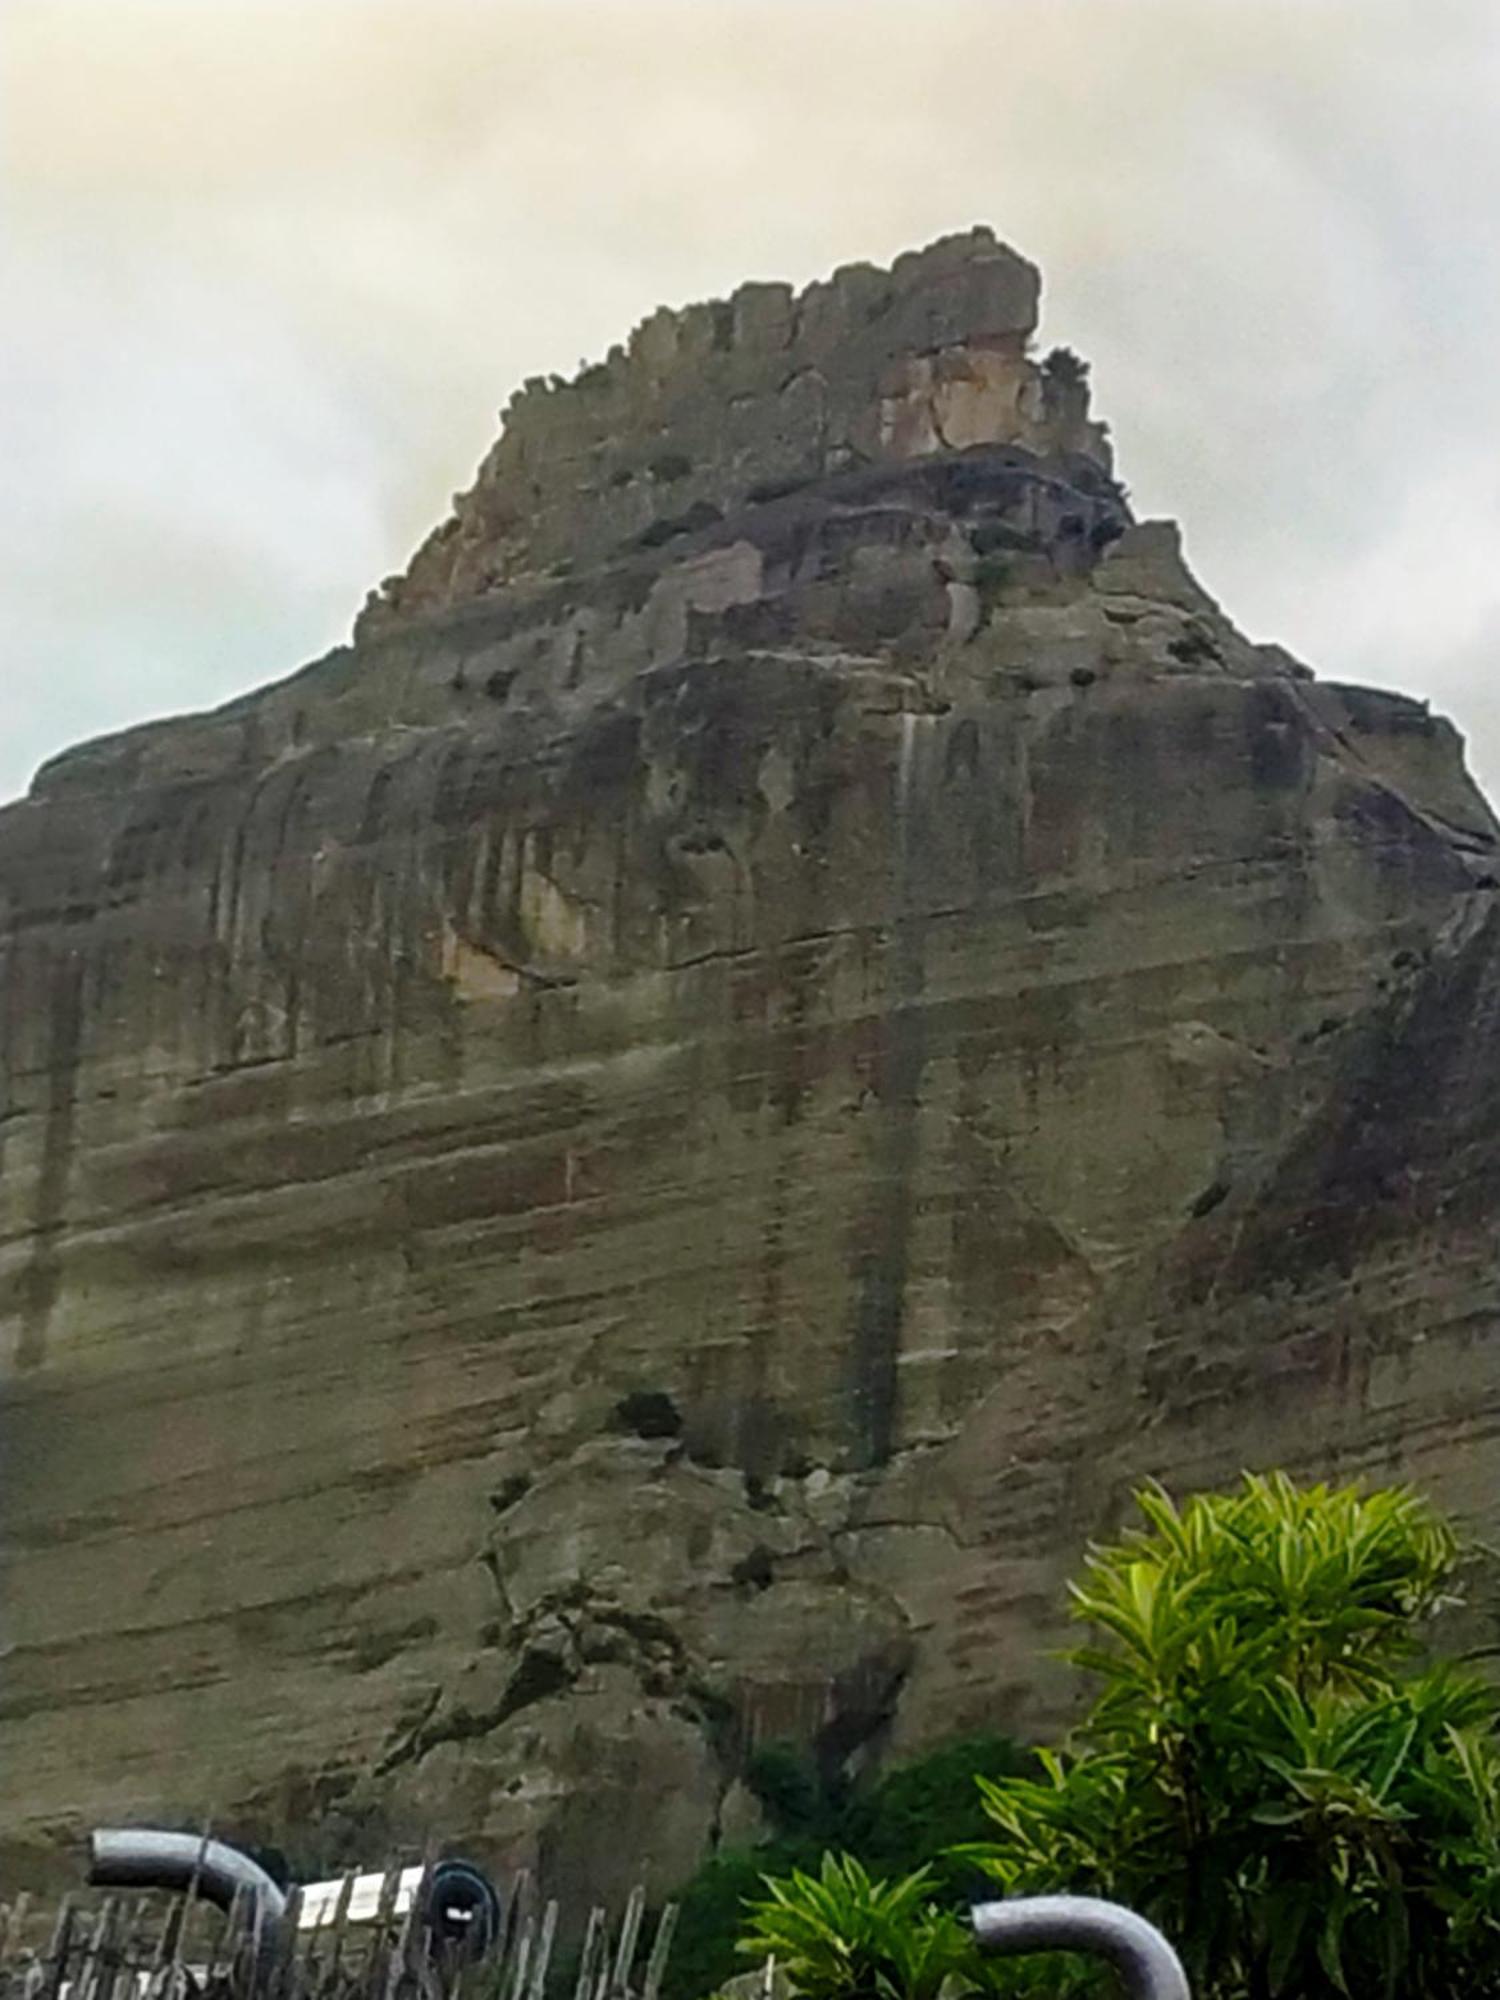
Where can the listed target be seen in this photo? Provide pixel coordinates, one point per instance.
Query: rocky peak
(716, 406)
(626, 1167)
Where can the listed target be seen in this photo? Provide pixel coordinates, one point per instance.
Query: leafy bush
(925, 1812)
(1270, 1771)
(841, 1932)
(711, 1912)
(909, 1817)
(1266, 1772)
(790, 1790)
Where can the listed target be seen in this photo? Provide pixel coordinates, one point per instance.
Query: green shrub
(1266, 1772)
(842, 1932)
(917, 1814)
(711, 1913)
(790, 1790)
(909, 1817)
(1271, 1771)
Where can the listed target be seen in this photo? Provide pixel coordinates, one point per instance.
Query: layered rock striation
(624, 1168)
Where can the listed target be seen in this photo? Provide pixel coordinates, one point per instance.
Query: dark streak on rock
(41, 1277)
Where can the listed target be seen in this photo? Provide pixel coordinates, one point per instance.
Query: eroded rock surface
(625, 1168)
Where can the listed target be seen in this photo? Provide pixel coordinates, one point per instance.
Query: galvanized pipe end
(141, 1858)
(1148, 1964)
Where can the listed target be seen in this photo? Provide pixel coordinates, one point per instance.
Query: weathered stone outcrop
(627, 1166)
(747, 398)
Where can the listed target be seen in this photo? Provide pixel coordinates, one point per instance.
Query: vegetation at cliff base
(1271, 1769)
(916, 1814)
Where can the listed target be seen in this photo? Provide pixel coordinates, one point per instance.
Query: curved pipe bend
(1148, 1964)
(138, 1858)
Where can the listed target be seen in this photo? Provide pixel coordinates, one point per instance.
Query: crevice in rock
(648, 1413)
(564, 1635)
(510, 1491)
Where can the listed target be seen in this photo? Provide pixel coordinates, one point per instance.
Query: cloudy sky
(270, 269)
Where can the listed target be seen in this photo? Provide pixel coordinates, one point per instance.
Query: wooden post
(630, 1930)
(13, 1925)
(594, 1940)
(543, 1953)
(93, 1951)
(340, 1925)
(382, 1935)
(656, 1964)
(57, 1950)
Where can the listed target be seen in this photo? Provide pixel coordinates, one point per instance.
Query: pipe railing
(1147, 1963)
(461, 1913)
(129, 1857)
(141, 1858)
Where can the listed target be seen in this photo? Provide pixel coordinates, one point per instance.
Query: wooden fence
(137, 1946)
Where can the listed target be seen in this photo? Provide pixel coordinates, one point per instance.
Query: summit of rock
(715, 406)
(624, 1168)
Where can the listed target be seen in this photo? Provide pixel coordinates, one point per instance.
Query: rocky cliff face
(626, 1167)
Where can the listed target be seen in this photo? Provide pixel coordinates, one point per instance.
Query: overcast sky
(269, 270)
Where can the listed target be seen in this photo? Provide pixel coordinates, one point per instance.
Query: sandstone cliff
(625, 1167)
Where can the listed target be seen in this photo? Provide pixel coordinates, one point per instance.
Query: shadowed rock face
(626, 1168)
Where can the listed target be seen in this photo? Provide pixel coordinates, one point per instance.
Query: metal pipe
(138, 1858)
(1148, 1964)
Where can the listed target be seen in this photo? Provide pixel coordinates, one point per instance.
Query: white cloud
(272, 269)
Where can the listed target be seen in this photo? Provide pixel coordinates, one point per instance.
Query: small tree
(1065, 367)
(1266, 1772)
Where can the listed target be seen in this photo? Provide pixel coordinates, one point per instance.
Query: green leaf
(1286, 1916)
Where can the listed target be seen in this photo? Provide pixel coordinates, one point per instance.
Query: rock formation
(626, 1167)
